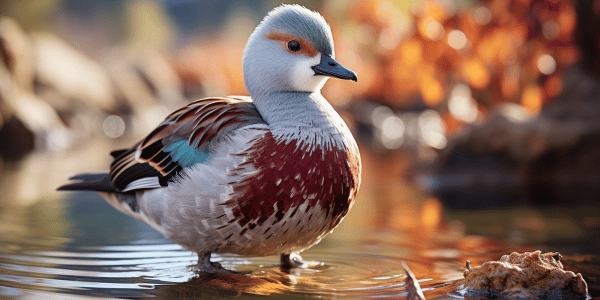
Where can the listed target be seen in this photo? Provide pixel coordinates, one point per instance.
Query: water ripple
(167, 269)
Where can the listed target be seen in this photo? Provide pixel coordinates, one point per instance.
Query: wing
(183, 139)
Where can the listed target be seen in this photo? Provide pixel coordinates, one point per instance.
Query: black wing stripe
(134, 172)
(148, 152)
(118, 153)
(199, 123)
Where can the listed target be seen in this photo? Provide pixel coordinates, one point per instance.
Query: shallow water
(76, 245)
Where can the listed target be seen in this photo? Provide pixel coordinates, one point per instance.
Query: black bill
(329, 67)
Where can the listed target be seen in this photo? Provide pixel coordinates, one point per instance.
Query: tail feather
(118, 153)
(99, 182)
(89, 176)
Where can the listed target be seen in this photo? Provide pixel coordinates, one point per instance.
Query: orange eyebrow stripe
(305, 47)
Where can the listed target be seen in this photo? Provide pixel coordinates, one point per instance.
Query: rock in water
(529, 275)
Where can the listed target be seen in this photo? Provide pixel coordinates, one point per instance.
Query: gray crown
(300, 21)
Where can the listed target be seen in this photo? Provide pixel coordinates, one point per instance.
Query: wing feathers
(117, 153)
(148, 152)
(181, 140)
(142, 183)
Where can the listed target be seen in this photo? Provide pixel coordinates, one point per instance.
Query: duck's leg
(207, 266)
(291, 260)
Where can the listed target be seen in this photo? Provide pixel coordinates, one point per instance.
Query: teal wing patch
(182, 140)
(185, 154)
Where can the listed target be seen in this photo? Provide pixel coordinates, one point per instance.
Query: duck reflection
(219, 284)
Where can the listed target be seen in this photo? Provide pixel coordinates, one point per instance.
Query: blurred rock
(52, 94)
(575, 119)
(509, 137)
(77, 79)
(16, 54)
(32, 123)
(556, 150)
(14, 62)
(145, 85)
(552, 157)
(155, 77)
(26, 121)
(579, 102)
(22, 139)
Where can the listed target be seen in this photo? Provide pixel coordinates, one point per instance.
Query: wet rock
(529, 275)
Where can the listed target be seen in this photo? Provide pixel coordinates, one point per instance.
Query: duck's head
(291, 50)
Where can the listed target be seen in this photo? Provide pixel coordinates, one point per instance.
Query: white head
(291, 50)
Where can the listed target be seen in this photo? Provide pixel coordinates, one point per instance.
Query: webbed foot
(291, 260)
(209, 267)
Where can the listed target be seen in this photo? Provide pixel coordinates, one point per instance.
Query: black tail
(118, 153)
(99, 182)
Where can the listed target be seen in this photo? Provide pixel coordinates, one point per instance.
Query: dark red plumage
(290, 173)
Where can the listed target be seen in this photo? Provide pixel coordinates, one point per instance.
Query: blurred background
(478, 123)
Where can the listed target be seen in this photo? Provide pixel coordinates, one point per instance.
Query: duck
(272, 173)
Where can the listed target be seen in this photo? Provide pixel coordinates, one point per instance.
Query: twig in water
(412, 285)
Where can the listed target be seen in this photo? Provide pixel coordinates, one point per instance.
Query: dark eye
(294, 45)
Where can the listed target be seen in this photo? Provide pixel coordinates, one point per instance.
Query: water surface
(75, 245)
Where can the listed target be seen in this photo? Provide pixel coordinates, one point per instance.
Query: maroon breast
(289, 174)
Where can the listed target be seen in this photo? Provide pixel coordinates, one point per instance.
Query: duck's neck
(302, 116)
(291, 109)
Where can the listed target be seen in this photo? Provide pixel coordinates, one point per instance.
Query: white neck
(305, 117)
